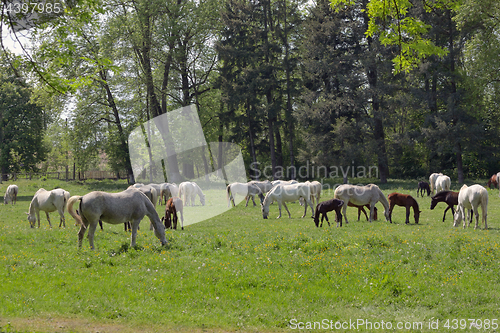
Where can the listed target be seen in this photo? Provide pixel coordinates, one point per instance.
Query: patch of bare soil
(76, 325)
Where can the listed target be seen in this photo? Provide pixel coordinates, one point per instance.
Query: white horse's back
(443, 183)
(11, 194)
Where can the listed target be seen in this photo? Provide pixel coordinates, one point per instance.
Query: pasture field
(239, 273)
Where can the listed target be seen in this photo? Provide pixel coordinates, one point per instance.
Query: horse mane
(267, 198)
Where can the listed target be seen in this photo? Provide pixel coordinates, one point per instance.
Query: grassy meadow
(238, 272)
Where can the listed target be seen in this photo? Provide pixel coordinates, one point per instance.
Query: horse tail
(72, 212)
(484, 201)
(228, 195)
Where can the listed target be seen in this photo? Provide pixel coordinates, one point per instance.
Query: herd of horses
(139, 200)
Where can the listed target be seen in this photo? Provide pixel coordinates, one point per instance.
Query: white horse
(470, 197)
(245, 189)
(168, 191)
(287, 193)
(114, 208)
(432, 180)
(11, 194)
(48, 201)
(265, 186)
(284, 182)
(443, 183)
(361, 195)
(189, 190)
(316, 188)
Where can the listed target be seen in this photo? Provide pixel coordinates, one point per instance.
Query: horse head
(31, 219)
(202, 199)
(416, 215)
(265, 211)
(434, 202)
(457, 218)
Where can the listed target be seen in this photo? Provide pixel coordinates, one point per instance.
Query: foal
(173, 205)
(325, 207)
(404, 200)
(450, 197)
(362, 209)
(423, 186)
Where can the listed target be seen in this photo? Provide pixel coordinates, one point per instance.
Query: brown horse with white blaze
(404, 200)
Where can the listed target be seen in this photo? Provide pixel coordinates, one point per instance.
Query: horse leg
(81, 234)
(289, 215)
(253, 200)
(338, 215)
(326, 218)
(477, 217)
(92, 227)
(175, 220)
(362, 209)
(135, 226)
(48, 218)
(279, 206)
(62, 219)
(344, 210)
(312, 210)
(444, 215)
(372, 212)
(391, 207)
(407, 215)
(248, 199)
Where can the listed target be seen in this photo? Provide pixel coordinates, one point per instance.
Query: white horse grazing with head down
(316, 188)
(361, 195)
(114, 208)
(470, 197)
(189, 190)
(244, 189)
(167, 191)
(11, 194)
(287, 193)
(265, 186)
(443, 183)
(48, 201)
(432, 180)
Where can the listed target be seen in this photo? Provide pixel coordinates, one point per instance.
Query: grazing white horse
(316, 188)
(11, 194)
(168, 191)
(362, 195)
(443, 183)
(114, 208)
(287, 193)
(245, 189)
(48, 201)
(470, 197)
(284, 182)
(265, 186)
(189, 190)
(432, 180)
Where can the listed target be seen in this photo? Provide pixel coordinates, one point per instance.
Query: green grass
(237, 271)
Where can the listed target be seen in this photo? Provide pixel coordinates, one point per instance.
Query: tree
(391, 21)
(22, 125)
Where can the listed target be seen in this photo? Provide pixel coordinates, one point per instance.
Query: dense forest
(329, 84)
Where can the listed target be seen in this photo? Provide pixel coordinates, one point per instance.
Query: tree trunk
(253, 176)
(117, 121)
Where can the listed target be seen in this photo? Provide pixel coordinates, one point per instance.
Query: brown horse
(361, 209)
(423, 186)
(325, 207)
(404, 200)
(450, 197)
(493, 181)
(173, 206)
